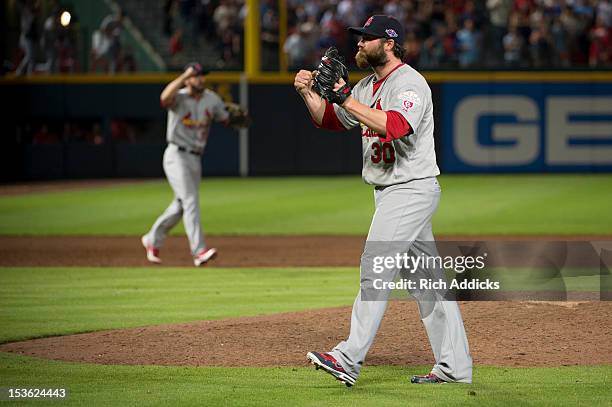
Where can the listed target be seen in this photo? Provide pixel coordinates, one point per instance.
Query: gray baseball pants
(403, 214)
(183, 171)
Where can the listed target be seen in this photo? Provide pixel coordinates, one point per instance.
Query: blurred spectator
(299, 47)
(28, 35)
(106, 44)
(392, 8)
(44, 136)
(433, 54)
(604, 12)
(269, 35)
(600, 53)
(513, 47)
(571, 27)
(541, 45)
(100, 46)
(350, 13)
(412, 47)
(122, 131)
(468, 44)
(49, 41)
(176, 42)
(111, 28)
(559, 38)
(66, 51)
(470, 12)
(225, 18)
(333, 32)
(499, 12)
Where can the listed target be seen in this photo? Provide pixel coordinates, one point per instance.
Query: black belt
(186, 150)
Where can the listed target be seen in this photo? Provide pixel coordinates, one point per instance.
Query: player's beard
(374, 59)
(197, 90)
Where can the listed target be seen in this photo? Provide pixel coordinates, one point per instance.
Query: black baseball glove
(328, 73)
(238, 118)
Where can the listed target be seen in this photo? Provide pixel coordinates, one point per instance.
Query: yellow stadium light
(65, 19)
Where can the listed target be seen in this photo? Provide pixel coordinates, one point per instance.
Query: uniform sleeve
(219, 111)
(410, 101)
(176, 102)
(397, 126)
(330, 120)
(347, 119)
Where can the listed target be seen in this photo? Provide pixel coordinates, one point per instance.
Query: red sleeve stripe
(397, 126)
(330, 120)
(165, 105)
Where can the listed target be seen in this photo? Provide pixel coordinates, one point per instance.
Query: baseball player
(394, 109)
(191, 111)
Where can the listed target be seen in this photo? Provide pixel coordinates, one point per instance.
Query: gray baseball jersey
(407, 167)
(410, 157)
(189, 119)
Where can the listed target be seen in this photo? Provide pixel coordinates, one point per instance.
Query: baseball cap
(381, 26)
(198, 67)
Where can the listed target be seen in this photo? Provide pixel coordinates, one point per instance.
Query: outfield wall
(484, 123)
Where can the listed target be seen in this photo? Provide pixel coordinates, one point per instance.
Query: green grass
(492, 204)
(538, 279)
(378, 386)
(50, 301)
(54, 301)
(37, 302)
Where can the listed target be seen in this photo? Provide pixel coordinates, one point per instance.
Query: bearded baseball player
(394, 109)
(191, 111)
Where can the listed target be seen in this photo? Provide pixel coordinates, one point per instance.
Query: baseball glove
(328, 73)
(238, 118)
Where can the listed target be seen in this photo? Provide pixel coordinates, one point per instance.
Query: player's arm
(390, 124)
(374, 119)
(314, 102)
(322, 112)
(169, 93)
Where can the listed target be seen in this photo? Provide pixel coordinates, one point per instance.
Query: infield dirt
(523, 334)
(234, 251)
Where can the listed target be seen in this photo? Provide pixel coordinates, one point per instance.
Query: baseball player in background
(191, 111)
(394, 109)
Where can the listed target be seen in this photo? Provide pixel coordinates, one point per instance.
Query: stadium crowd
(50, 41)
(464, 33)
(440, 34)
(488, 34)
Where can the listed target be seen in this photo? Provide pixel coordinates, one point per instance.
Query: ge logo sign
(575, 130)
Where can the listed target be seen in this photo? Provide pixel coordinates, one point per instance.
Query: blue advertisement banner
(527, 127)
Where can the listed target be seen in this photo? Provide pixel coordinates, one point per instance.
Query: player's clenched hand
(341, 82)
(303, 82)
(190, 72)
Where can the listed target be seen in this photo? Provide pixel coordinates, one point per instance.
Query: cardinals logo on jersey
(191, 123)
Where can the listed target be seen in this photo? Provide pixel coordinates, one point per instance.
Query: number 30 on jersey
(384, 152)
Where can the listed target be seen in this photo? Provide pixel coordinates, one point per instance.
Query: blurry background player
(191, 111)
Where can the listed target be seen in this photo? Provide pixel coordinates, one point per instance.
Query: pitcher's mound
(500, 333)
